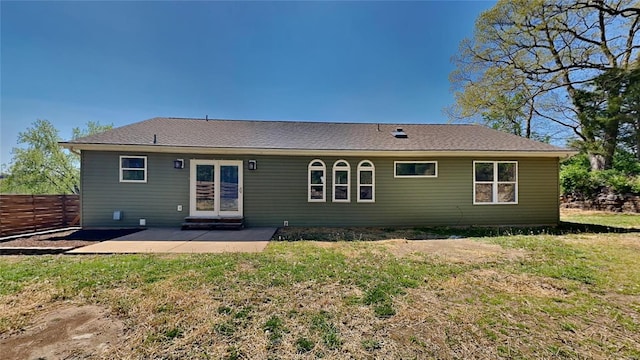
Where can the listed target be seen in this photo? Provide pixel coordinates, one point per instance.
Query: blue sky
(122, 62)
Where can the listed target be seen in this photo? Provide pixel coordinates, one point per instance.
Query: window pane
(136, 163)
(415, 169)
(426, 169)
(405, 169)
(317, 177)
(366, 192)
(484, 193)
(366, 164)
(341, 177)
(506, 172)
(205, 188)
(317, 192)
(205, 204)
(228, 188)
(484, 171)
(366, 177)
(316, 163)
(341, 192)
(204, 173)
(506, 192)
(132, 174)
(342, 163)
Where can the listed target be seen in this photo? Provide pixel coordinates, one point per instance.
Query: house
(161, 171)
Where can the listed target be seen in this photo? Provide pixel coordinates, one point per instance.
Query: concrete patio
(171, 240)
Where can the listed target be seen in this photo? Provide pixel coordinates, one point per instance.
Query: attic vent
(399, 133)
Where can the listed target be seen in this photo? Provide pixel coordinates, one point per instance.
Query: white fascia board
(307, 152)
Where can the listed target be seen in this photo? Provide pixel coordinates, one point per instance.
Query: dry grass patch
(630, 241)
(516, 284)
(462, 251)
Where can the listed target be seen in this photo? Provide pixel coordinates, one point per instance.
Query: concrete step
(213, 219)
(205, 223)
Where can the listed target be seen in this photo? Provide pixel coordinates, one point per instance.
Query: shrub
(615, 180)
(635, 185)
(626, 162)
(574, 179)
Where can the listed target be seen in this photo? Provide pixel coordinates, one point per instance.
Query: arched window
(341, 181)
(366, 181)
(317, 178)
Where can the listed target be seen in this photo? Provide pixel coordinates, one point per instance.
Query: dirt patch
(67, 332)
(69, 238)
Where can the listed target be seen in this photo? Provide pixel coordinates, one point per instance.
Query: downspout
(80, 193)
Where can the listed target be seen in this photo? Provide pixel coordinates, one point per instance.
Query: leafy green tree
(547, 52)
(42, 166)
(630, 131)
(508, 115)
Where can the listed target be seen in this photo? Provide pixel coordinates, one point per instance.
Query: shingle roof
(252, 134)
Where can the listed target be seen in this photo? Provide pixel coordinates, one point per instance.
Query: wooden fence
(27, 213)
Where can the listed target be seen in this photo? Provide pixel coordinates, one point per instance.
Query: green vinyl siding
(277, 191)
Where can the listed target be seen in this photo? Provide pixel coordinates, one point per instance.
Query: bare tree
(547, 51)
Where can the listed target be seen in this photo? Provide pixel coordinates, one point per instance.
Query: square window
(495, 182)
(133, 169)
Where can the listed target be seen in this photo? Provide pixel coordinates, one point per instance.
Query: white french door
(215, 188)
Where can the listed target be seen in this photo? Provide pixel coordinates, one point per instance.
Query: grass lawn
(523, 296)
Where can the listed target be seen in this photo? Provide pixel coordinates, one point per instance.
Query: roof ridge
(310, 121)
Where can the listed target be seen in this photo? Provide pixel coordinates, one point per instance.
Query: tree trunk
(596, 161)
(610, 142)
(637, 126)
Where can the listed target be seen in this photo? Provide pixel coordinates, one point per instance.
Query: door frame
(193, 163)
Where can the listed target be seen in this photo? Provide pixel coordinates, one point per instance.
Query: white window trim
(395, 175)
(371, 168)
(348, 184)
(324, 180)
(146, 165)
(495, 182)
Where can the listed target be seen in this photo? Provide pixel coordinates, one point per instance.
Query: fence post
(33, 212)
(64, 209)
